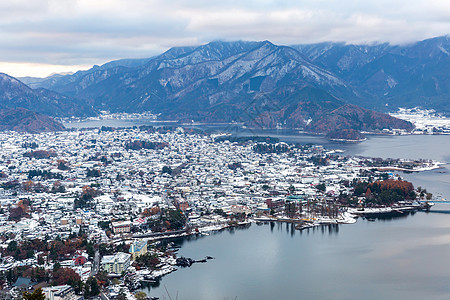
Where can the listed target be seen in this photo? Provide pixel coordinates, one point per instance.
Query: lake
(404, 258)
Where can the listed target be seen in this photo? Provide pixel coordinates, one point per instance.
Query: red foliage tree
(67, 276)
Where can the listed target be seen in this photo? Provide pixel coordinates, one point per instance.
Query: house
(121, 227)
(79, 260)
(238, 209)
(23, 283)
(116, 263)
(138, 248)
(60, 292)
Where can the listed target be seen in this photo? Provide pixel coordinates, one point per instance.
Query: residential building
(60, 292)
(138, 248)
(121, 227)
(116, 263)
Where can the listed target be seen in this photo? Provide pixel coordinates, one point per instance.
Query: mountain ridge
(16, 94)
(259, 82)
(24, 120)
(409, 75)
(348, 63)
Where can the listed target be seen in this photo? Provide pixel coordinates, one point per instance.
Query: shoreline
(154, 122)
(347, 217)
(435, 166)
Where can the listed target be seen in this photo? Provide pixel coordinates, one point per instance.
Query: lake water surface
(405, 258)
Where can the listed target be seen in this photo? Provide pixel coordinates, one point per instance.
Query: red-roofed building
(79, 260)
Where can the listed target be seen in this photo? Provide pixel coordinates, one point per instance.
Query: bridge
(435, 201)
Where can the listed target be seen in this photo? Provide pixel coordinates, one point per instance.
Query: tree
(102, 278)
(63, 165)
(12, 246)
(140, 296)
(68, 276)
(40, 274)
(122, 247)
(12, 275)
(58, 187)
(93, 172)
(40, 260)
(56, 266)
(167, 170)
(17, 213)
(148, 260)
(27, 185)
(90, 249)
(37, 294)
(291, 189)
(91, 288)
(105, 249)
(104, 224)
(87, 194)
(321, 187)
(175, 218)
(419, 190)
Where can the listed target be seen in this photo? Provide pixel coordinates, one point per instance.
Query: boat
(326, 221)
(305, 225)
(427, 205)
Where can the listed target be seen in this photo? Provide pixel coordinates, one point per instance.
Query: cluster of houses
(55, 185)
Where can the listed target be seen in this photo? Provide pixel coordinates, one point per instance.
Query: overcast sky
(39, 37)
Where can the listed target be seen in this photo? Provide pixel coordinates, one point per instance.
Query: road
(96, 265)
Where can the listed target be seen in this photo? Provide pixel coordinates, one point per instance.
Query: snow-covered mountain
(409, 75)
(373, 76)
(219, 81)
(15, 94)
(259, 82)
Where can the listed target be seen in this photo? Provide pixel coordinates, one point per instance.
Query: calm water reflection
(399, 258)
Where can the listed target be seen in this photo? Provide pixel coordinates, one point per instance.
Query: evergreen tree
(37, 294)
(91, 288)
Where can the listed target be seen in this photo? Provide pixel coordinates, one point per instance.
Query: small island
(346, 135)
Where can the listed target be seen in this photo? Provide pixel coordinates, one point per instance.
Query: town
(89, 212)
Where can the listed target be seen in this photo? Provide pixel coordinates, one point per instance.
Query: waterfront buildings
(117, 263)
(138, 248)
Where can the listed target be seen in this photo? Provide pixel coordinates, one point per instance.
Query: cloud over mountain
(89, 32)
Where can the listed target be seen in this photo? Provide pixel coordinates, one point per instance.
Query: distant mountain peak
(16, 94)
(5, 79)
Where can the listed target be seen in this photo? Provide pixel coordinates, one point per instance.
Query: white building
(121, 227)
(60, 292)
(116, 263)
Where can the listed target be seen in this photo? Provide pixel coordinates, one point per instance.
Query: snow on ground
(424, 120)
